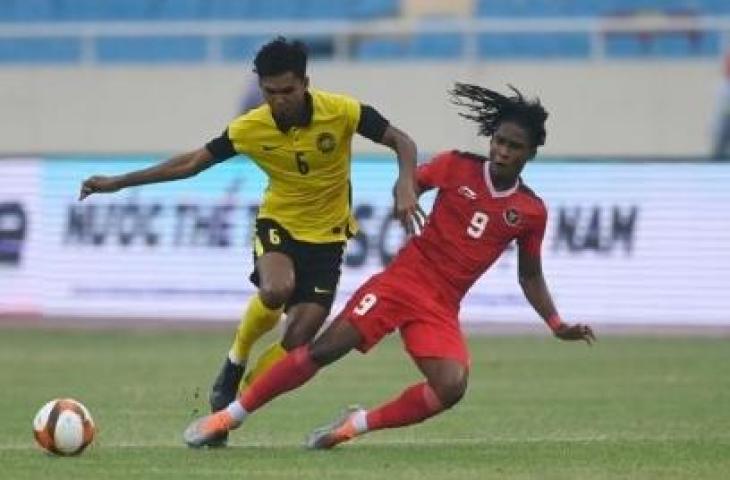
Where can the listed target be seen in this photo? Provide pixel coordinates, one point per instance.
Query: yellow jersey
(309, 190)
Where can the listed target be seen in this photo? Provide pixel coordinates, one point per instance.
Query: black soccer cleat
(223, 392)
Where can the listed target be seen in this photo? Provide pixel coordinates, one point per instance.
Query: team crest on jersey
(467, 192)
(511, 216)
(325, 142)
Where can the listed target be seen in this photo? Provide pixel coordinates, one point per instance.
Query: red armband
(554, 322)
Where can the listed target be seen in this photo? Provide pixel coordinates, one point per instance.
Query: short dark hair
(280, 56)
(489, 109)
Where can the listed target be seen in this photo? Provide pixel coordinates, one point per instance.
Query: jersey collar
(493, 191)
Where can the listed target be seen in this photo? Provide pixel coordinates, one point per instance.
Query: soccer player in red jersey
(482, 205)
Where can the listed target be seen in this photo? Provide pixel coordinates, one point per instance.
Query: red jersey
(469, 227)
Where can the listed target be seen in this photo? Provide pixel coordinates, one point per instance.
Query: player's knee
(450, 389)
(275, 294)
(302, 326)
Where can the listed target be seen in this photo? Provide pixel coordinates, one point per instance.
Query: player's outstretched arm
(536, 291)
(407, 209)
(180, 166)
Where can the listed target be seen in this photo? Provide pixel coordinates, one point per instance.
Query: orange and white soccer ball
(64, 426)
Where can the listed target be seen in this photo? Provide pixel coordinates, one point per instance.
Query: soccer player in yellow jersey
(301, 138)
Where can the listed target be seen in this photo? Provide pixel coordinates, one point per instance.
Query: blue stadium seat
(125, 9)
(325, 9)
(721, 7)
(686, 45)
(549, 8)
(706, 7)
(572, 45)
(26, 10)
(77, 10)
(421, 46)
(380, 49)
(501, 8)
(495, 46)
(671, 45)
(69, 10)
(625, 46)
(585, 9)
(437, 46)
(677, 45)
(151, 49)
(7, 11)
(614, 7)
(373, 9)
(319, 46)
(228, 9)
(242, 48)
(590, 8)
(40, 50)
(533, 46)
(116, 10)
(710, 44)
(177, 10)
(277, 10)
(537, 8)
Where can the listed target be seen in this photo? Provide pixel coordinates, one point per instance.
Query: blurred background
(633, 170)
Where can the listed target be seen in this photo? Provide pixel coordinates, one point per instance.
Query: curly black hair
(280, 56)
(489, 109)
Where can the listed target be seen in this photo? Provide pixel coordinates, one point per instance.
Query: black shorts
(316, 265)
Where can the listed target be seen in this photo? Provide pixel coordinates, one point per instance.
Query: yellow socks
(268, 357)
(257, 320)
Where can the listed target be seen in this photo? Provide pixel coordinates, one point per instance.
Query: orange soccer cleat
(207, 430)
(341, 430)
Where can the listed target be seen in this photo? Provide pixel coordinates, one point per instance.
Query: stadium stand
(423, 45)
(39, 50)
(140, 10)
(534, 45)
(596, 8)
(413, 44)
(151, 49)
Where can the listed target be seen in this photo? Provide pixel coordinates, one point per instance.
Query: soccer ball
(63, 426)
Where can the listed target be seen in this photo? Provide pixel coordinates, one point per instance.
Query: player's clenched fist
(98, 184)
(575, 332)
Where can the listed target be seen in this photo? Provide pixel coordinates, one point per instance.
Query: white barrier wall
(605, 108)
(625, 243)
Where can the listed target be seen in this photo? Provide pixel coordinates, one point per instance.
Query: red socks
(416, 404)
(287, 374)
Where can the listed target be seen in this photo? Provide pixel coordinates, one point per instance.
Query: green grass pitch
(629, 408)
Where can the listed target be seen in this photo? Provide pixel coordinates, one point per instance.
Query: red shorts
(427, 328)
